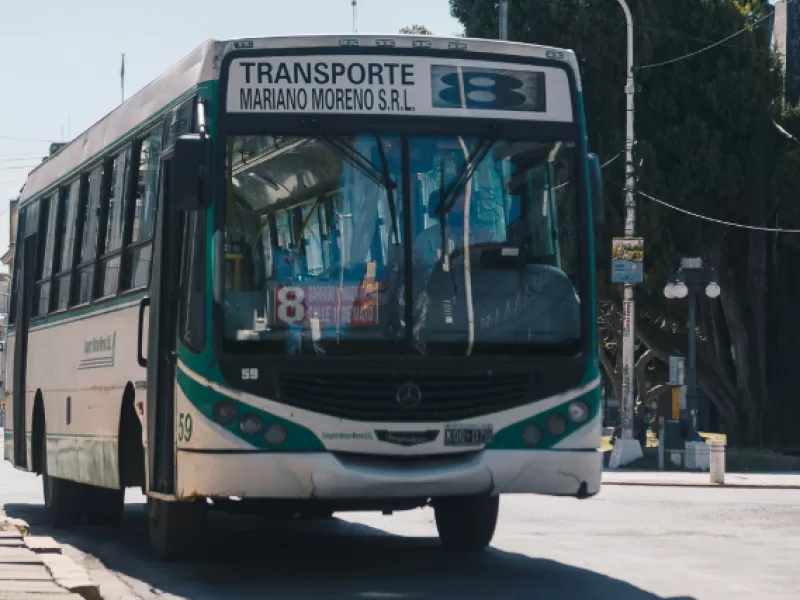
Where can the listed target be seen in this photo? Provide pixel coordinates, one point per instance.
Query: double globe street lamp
(691, 280)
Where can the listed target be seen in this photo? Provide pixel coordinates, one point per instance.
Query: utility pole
(626, 448)
(122, 78)
(504, 19)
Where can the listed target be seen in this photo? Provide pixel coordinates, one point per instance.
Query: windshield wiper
(390, 187)
(379, 175)
(447, 197)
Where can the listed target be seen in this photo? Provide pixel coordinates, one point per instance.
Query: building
(8, 258)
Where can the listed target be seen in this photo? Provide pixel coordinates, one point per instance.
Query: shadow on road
(241, 557)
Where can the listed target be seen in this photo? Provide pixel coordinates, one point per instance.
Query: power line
(717, 221)
(715, 44)
(17, 159)
(621, 21)
(22, 139)
(29, 167)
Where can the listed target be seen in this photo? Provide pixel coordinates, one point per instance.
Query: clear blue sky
(60, 59)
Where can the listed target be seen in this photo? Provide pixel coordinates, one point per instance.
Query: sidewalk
(33, 568)
(769, 481)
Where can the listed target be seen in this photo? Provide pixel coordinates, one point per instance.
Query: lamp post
(691, 280)
(626, 448)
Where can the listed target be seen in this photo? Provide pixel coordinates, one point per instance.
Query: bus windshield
(328, 239)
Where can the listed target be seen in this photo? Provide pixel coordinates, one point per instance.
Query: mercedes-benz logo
(409, 395)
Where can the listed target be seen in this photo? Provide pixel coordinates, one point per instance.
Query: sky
(60, 59)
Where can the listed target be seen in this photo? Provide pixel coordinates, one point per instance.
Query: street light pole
(627, 449)
(691, 387)
(504, 19)
(691, 281)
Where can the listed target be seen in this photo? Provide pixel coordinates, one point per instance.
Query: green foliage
(705, 143)
(416, 30)
(698, 121)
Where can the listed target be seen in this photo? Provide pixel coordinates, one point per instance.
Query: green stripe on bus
(204, 398)
(510, 438)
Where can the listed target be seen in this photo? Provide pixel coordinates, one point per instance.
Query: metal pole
(628, 306)
(691, 388)
(627, 449)
(503, 19)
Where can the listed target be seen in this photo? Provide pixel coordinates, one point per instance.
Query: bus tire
(466, 523)
(104, 506)
(316, 514)
(63, 499)
(174, 527)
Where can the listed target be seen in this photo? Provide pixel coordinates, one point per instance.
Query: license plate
(477, 435)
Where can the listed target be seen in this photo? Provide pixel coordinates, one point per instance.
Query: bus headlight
(250, 424)
(556, 424)
(225, 412)
(578, 412)
(275, 434)
(531, 435)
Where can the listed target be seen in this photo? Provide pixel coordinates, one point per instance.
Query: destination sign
(390, 85)
(352, 306)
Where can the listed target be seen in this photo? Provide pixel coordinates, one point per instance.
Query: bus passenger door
(24, 298)
(162, 340)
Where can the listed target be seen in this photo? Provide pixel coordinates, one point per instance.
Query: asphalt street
(628, 543)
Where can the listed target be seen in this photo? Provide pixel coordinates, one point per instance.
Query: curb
(743, 486)
(65, 573)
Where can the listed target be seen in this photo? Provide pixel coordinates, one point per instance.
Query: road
(628, 543)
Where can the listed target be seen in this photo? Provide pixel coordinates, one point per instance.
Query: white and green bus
(302, 275)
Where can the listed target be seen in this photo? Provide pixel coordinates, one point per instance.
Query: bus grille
(373, 397)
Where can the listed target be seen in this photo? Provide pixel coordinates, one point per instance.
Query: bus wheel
(466, 523)
(104, 506)
(63, 499)
(316, 514)
(173, 527)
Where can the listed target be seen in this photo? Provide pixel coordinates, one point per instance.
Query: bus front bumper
(324, 475)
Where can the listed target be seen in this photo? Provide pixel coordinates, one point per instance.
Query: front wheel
(173, 527)
(466, 523)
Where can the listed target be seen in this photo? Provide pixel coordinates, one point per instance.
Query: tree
(706, 144)
(416, 30)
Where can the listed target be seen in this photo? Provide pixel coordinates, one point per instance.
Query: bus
(313, 274)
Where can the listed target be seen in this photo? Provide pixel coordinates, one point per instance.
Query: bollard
(717, 465)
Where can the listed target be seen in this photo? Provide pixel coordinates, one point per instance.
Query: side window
(179, 122)
(193, 280)
(119, 167)
(88, 235)
(47, 232)
(146, 161)
(65, 244)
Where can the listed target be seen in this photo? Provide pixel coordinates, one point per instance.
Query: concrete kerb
(740, 486)
(747, 481)
(65, 572)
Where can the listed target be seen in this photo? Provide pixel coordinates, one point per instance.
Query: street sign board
(692, 263)
(677, 370)
(627, 260)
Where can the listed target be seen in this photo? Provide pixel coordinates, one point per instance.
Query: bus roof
(203, 64)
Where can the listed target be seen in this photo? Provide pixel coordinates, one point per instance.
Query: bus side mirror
(190, 181)
(596, 187)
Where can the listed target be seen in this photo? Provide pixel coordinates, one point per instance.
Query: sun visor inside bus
(278, 180)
